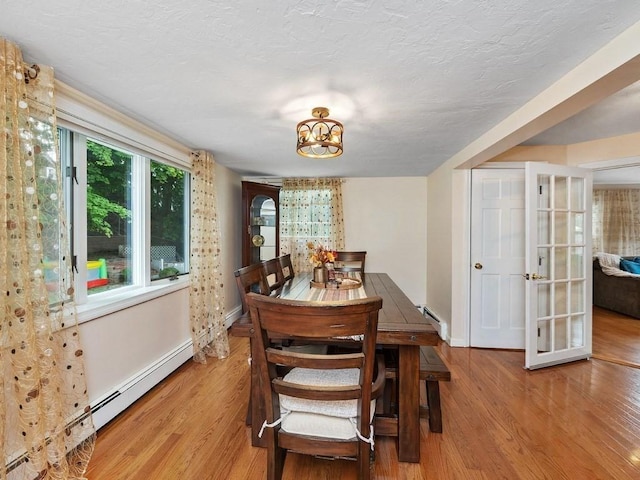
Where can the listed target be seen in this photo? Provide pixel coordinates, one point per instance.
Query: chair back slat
(251, 279)
(350, 262)
(284, 357)
(303, 319)
(347, 392)
(273, 272)
(287, 267)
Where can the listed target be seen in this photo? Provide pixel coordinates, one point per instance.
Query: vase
(320, 275)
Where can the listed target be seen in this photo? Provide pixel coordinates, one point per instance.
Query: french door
(557, 264)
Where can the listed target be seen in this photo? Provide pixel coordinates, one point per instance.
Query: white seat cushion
(318, 425)
(322, 418)
(323, 378)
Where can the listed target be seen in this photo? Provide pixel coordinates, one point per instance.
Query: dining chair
(287, 267)
(350, 262)
(275, 277)
(251, 278)
(324, 404)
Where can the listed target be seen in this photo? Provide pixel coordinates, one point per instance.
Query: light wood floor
(616, 337)
(576, 421)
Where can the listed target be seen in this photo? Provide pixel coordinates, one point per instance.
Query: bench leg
(433, 402)
(390, 397)
(247, 419)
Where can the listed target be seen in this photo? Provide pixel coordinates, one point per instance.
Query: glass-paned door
(558, 260)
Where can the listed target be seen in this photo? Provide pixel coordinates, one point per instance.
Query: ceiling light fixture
(320, 137)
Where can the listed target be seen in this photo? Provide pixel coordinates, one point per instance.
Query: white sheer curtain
(206, 299)
(616, 221)
(310, 211)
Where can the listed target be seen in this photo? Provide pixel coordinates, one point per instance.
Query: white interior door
(558, 264)
(497, 317)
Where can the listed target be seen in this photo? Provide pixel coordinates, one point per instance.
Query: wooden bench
(432, 371)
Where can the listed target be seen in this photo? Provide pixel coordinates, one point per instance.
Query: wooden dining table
(400, 325)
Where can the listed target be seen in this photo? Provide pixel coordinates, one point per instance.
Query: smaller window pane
(560, 261)
(561, 227)
(560, 196)
(577, 193)
(169, 224)
(544, 194)
(108, 218)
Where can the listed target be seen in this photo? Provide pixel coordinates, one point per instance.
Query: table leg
(409, 403)
(257, 405)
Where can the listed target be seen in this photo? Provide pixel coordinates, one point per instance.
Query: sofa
(618, 293)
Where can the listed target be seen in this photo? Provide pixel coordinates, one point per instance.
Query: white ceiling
(414, 82)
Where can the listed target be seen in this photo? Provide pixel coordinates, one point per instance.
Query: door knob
(478, 266)
(535, 276)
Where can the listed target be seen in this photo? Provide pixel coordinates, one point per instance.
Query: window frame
(75, 180)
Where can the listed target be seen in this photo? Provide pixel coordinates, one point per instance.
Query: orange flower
(319, 255)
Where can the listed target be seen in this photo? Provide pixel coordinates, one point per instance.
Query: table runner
(337, 294)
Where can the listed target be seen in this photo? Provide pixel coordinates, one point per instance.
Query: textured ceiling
(413, 82)
(616, 115)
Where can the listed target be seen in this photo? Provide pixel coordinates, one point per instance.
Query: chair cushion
(321, 418)
(323, 378)
(317, 425)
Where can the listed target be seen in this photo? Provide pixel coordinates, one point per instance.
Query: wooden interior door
(497, 317)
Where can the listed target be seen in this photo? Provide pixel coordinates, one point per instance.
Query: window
(169, 235)
(109, 211)
(130, 225)
(310, 211)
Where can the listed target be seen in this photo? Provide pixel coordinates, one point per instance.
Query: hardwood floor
(576, 421)
(616, 337)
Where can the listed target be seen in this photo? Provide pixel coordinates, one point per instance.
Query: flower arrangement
(319, 256)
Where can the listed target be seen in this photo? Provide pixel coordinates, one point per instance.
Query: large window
(130, 219)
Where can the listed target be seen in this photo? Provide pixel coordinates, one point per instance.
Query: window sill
(96, 308)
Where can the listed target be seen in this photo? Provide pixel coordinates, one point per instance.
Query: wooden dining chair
(275, 277)
(251, 279)
(287, 267)
(350, 262)
(324, 405)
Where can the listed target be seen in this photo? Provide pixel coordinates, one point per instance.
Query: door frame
(459, 335)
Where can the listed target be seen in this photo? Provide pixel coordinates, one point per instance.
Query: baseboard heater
(435, 321)
(107, 407)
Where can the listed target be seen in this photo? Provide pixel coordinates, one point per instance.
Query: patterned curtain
(47, 429)
(206, 297)
(616, 221)
(310, 211)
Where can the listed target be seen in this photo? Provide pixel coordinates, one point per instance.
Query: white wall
(387, 217)
(439, 247)
(448, 251)
(229, 197)
(125, 344)
(119, 345)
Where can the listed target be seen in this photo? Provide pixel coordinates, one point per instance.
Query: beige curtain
(310, 211)
(47, 429)
(616, 221)
(206, 297)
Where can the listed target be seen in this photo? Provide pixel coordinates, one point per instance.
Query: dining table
(401, 326)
